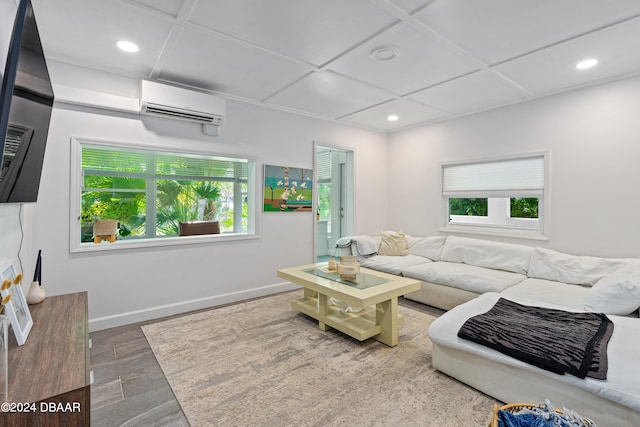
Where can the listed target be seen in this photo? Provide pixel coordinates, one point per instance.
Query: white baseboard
(185, 306)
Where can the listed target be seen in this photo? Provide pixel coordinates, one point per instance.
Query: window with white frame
(149, 192)
(505, 195)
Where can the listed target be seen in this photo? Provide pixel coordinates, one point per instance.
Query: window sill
(160, 241)
(495, 231)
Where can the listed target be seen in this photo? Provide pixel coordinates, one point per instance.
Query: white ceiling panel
(86, 33)
(497, 30)
(170, 7)
(213, 63)
(313, 57)
(553, 69)
(309, 30)
(410, 6)
(472, 92)
(329, 95)
(409, 113)
(422, 61)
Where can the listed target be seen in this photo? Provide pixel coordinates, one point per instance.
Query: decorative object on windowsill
(194, 228)
(36, 294)
(105, 229)
(16, 305)
(348, 267)
(332, 265)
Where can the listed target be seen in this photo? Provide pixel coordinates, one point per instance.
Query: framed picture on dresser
(15, 304)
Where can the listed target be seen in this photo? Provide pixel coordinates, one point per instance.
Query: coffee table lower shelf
(361, 325)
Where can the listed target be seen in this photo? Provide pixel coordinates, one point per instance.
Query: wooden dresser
(50, 372)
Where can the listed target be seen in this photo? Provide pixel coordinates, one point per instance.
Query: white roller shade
(522, 175)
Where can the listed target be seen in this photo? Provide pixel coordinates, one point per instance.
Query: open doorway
(334, 198)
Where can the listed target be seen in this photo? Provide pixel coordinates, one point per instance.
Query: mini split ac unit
(172, 102)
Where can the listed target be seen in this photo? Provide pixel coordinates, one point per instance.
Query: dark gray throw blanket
(555, 340)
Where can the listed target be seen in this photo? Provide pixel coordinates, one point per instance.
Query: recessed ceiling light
(384, 53)
(127, 46)
(587, 63)
(393, 118)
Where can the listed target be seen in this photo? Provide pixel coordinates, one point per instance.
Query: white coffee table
(376, 293)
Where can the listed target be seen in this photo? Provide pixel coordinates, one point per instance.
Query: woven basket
(516, 407)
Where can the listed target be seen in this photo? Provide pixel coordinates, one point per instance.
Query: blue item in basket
(507, 419)
(543, 415)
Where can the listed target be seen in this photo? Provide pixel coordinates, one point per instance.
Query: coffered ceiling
(353, 61)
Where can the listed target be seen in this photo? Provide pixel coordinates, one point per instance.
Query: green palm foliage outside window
(520, 207)
(473, 207)
(524, 207)
(149, 193)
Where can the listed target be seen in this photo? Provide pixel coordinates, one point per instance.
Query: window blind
(521, 175)
(111, 159)
(162, 164)
(323, 166)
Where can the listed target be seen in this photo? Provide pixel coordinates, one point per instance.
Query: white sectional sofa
(467, 276)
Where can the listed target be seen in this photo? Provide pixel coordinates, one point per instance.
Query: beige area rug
(261, 363)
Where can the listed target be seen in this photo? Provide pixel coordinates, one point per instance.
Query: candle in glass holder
(348, 267)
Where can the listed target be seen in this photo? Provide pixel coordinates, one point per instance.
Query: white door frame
(346, 225)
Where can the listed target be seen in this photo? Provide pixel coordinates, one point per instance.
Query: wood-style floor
(130, 389)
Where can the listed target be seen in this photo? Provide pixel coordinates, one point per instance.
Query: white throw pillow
(394, 244)
(618, 293)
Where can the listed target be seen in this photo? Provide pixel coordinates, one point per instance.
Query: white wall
(15, 239)
(593, 136)
(130, 285)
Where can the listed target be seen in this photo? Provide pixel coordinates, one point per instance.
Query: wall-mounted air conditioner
(157, 99)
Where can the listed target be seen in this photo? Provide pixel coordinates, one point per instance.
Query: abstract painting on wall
(287, 189)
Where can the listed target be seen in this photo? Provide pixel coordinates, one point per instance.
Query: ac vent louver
(173, 113)
(181, 104)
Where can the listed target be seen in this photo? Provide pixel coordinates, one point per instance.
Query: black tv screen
(8, 9)
(26, 101)
(8, 17)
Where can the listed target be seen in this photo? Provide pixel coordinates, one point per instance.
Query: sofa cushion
(468, 277)
(392, 264)
(548, 292)
(484, 253)
(428, 247)
(393, 244)
(576, 270)
(621, 389)
(616, 293)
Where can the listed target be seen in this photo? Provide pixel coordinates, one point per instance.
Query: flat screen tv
(26, 101)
